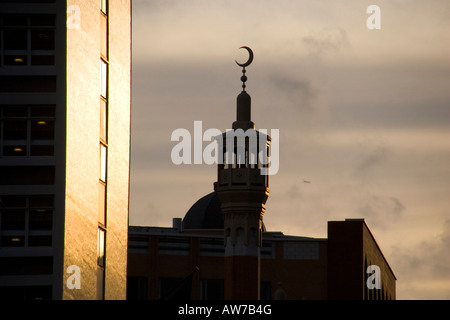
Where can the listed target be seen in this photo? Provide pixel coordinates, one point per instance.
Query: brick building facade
(159, 259)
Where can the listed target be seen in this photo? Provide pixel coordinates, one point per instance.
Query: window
(211, 289)
(28, 84)
(101, 243)
(27, 1)
(18, 266)
(103, 120)
(103, 162)
(167, 287)
(104, 36)
(26, 221)
(28, 39)
(103, 79)
(104, 6)
(265, 290)
(101, 248)
(27, 175)
(137, 288)
(28, 292)
(15, 40)
(27, 130)
(100, 284)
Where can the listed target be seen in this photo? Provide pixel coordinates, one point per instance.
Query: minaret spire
(243, 191)
(243, 79)
(243, 104)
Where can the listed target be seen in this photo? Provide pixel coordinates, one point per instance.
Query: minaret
(243, 192)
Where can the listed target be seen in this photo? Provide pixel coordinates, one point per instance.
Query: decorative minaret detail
(243, 192)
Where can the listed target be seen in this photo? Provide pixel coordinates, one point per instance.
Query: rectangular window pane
(27, 175)
(27, 1)
(42, 129)
(104, 6)
(15, 151)
(27, 83)
(15, 20)
(15, 60)
(40, 241)
(42, 40)
(15, 111)
(103, 162)
(41, 219)
(41, 212)
(101, 248)
(100, 284)
(15, 129)
(43, 110)
(42, 20)
(103, 79)
(42, 151)
(15, 39)
(104, 36)
(14, 266)
(41, 201)
(12, 219)
(13, 201)
(42, 60)
(103, 119)
(12, 241)
(26, 292)
(101, 203)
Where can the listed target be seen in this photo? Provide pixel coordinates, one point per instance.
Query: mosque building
(221, 249)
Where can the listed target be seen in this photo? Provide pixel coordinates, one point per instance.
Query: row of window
(27, 39)
(26, 221)
(101, 246)
(27, 130)
(27, 1)
(17, 293)
(209, 289)
(30, 84)
(27, 175)
(181, 246)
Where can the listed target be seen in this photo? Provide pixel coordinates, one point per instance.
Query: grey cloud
(370, 161)
(328, 40)
(426, 262)
(380, 211)
(299, 91)
(431, 257)
(294, 193)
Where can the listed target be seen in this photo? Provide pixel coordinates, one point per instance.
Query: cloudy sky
(362, 114)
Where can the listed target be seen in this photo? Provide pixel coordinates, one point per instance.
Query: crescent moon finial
(250, 57)
(246, 64)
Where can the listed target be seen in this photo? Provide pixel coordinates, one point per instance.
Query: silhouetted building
(65, 76)
(242, 191)
(221, 249)
(159, 259)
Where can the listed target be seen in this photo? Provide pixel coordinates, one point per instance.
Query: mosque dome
(204, 214)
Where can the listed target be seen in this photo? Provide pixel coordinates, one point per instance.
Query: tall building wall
(96, 204)
(351, 250)
(74, 58)
(82, 150)
(374, 256)
(119, 116)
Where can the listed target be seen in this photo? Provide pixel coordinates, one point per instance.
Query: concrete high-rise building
(65, 102)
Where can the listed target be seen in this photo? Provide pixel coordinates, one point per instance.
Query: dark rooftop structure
(204, 214)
